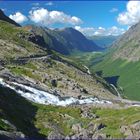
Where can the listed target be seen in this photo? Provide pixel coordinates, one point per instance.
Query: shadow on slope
(112, 80)
(19, 112)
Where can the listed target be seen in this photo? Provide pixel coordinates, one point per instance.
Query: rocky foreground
(57, 117)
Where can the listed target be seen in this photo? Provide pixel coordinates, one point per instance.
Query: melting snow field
(43, 97)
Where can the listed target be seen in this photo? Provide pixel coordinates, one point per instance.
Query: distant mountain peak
(7, 19)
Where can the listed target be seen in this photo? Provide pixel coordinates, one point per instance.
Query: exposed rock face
(5, 18)
(131, 131)
(128, 45)
(54, 82)
(11, 135)
(55, 135)
(99, 136)
(101, 126)
(35, 38)
(77, 127)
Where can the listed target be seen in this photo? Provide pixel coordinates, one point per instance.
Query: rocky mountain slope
(64, 41)
(128, 46)
(123, 61)
(104, 41)
(44, 95)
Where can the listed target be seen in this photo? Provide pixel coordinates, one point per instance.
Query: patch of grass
(114, 118)
(31, 65)
(24, 71)
(129, 73)
(4, 126)
(12, 35)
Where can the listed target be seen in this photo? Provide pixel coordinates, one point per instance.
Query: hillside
(46, 95)
(64, 41)
(104, 41)
(50, 70)
(23, 119)
(123, 61)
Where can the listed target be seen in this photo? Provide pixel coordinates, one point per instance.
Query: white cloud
(113, 10)
(89, 31)
(18, 17)
(44, 17)
(131, 15)
(49, 3)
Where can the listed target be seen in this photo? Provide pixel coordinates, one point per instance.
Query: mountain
(77, 40)
(46, 95)
(123, 61)
(64, 41)
(5, 18)
(33, 79)
(103, 41)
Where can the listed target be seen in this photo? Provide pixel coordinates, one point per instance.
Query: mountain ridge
(123, 60)
(104, 41)
(34, 82)
(5, 18)
(65, 40)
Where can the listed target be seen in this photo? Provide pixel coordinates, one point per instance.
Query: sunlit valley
(59, 80)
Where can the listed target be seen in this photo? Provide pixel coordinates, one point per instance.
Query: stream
(43, 97)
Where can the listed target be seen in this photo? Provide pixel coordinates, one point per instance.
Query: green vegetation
(85, 58)
(128, 73)
(3, 125)
(38, 120)
(20, 70)
(114, 118)
(15, 43)
(18, 111)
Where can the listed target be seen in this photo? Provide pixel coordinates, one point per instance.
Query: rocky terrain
(46, 95)
(128, 46)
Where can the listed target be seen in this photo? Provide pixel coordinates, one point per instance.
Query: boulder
(11, 135)
(101, 126)
(126, 130)
(55, 135)
(99, 136)
(77, 128)
(54, 82)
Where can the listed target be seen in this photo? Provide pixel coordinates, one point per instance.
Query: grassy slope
(129, 73)
(13, 45)
(85, 58)
(116, 118)
(38, 120)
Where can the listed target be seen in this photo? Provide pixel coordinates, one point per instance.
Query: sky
(88, 17)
